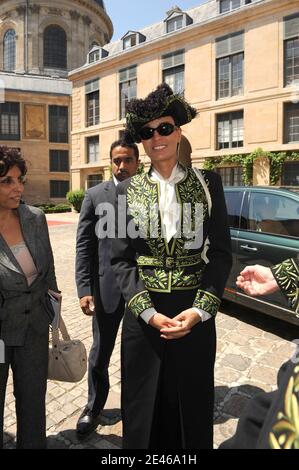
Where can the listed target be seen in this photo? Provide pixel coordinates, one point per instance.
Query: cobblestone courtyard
(251, 349)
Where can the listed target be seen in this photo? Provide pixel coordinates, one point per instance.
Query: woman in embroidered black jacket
(172, 287)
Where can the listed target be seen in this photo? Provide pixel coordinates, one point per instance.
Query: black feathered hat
(159, 103)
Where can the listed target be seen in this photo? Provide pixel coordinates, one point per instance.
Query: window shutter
(231, 44)
(92, 86)
(291, 26)
(127, 74)
(173, 60)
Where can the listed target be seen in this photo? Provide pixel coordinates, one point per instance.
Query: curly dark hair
(9, 158)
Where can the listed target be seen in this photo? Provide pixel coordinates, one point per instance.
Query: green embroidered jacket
(144, 263)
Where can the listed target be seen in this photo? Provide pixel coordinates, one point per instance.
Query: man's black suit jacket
(93, 254)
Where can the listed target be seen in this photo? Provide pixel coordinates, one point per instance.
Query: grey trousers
(29, 364)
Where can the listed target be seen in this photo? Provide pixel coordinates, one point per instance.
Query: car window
(273, 213)
(233, 203)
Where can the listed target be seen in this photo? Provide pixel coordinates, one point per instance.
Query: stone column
(73, 48)
(20, 39)
(33, 42)
(87, 25)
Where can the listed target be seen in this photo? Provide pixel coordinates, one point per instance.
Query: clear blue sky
(136, 14)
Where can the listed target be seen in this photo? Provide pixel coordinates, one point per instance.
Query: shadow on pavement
(265, 322)
(230, 402)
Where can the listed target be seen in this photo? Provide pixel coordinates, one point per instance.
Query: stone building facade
(237, 62)
(40, 42)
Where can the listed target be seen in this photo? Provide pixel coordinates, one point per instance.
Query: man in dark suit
(99, 294)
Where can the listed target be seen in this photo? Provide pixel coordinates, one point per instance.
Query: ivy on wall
(276, 159)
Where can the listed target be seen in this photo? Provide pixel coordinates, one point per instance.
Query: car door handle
(248, 248)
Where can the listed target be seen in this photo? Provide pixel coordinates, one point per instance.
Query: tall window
(290, 174)
(59, 161)
(174, 71)
(230, 65)
(291, 117)
(231, 176)
(58, 124)
(127, 87)
(59, 189)
(55, 48)
(93, 153)
(9, 121)
(291, 49)
(9, 50)
(230, 128)
(174, 24)
(92, 102)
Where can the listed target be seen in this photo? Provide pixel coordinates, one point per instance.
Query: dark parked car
(264, 225)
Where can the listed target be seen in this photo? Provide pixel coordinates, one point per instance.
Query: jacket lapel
(110, 190)
(7, 259)
(29, 230)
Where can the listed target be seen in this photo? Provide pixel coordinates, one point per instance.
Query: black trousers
(105, 327)
(168, 386)
(29, 364)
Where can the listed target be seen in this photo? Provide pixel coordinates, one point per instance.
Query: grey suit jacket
(93, 255)
(21, 305)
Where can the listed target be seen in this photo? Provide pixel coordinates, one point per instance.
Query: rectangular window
(290, 174)
(94, 180)
(127, 87)
(291, 49)
(92, 92)
(10, 121)
(59, 189)
(231, 176)
(58, 124)
(230, 65)
(174, 24)
(230, 128)
(93, 153)
(291, 117)
(173, 66)
(229, 5)
(59, 161)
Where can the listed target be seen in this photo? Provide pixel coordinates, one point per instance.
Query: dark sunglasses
(164, 129)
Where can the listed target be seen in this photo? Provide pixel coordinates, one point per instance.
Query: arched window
(9, 50)
(55, 47)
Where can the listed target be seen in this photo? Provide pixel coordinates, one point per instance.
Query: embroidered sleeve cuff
(207, 302)
(287, 277)
(139, 303)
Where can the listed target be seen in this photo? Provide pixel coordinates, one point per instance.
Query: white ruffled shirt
(170, 217)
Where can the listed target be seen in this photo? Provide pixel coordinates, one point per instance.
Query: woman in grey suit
(26, 274)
